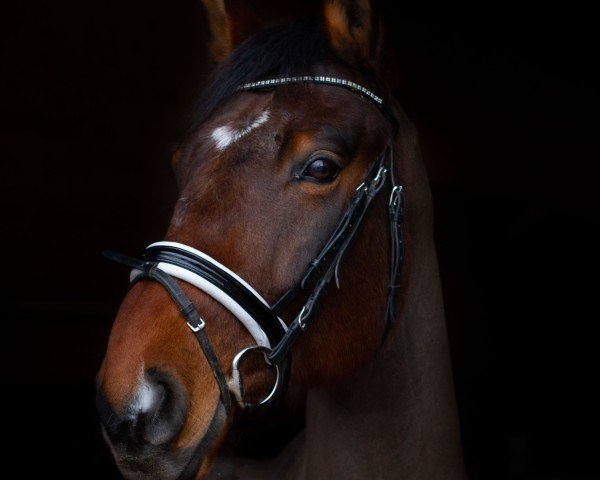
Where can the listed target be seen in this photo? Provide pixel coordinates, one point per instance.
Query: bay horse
(278, 285)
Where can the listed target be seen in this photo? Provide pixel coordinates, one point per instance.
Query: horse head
(266, 177)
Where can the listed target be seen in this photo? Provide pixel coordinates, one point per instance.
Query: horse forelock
(280, 51)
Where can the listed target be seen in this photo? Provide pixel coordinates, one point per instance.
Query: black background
(505, 97)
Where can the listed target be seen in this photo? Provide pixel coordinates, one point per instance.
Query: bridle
(164, 261)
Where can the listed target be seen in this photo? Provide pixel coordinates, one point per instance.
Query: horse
(298, 275)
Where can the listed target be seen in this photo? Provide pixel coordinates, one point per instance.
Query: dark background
(92, 97)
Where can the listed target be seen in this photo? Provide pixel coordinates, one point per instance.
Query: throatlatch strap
(396, 213)
(150, 270)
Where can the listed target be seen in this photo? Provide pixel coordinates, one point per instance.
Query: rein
(164, 261)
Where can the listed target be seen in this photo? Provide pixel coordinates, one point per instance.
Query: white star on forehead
(225, 136)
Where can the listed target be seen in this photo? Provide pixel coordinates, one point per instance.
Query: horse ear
(230, 22)
(354, 30)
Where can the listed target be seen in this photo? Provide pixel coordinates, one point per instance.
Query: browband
(323, 80)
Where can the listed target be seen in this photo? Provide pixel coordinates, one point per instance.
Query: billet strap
(150, 270)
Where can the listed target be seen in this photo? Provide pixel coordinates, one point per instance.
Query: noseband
(165, 261)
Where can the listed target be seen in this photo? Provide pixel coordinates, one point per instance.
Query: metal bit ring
(236, 385)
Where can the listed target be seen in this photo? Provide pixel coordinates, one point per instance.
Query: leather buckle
(196, 328)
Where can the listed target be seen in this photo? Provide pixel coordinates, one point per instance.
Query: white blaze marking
(225, 136)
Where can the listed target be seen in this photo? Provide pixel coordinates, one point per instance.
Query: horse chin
(159, 466)
(168, 462)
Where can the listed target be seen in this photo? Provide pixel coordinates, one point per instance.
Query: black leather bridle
(164, 261)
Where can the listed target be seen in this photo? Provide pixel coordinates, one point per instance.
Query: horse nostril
(153, 416)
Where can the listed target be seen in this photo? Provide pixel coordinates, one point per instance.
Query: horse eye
(321, 170)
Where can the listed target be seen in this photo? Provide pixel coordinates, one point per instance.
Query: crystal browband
(337, 82)
(318, 79)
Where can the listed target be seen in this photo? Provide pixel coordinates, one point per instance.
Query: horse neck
(397, 417)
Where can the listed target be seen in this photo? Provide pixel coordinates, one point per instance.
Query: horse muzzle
(142, 434)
